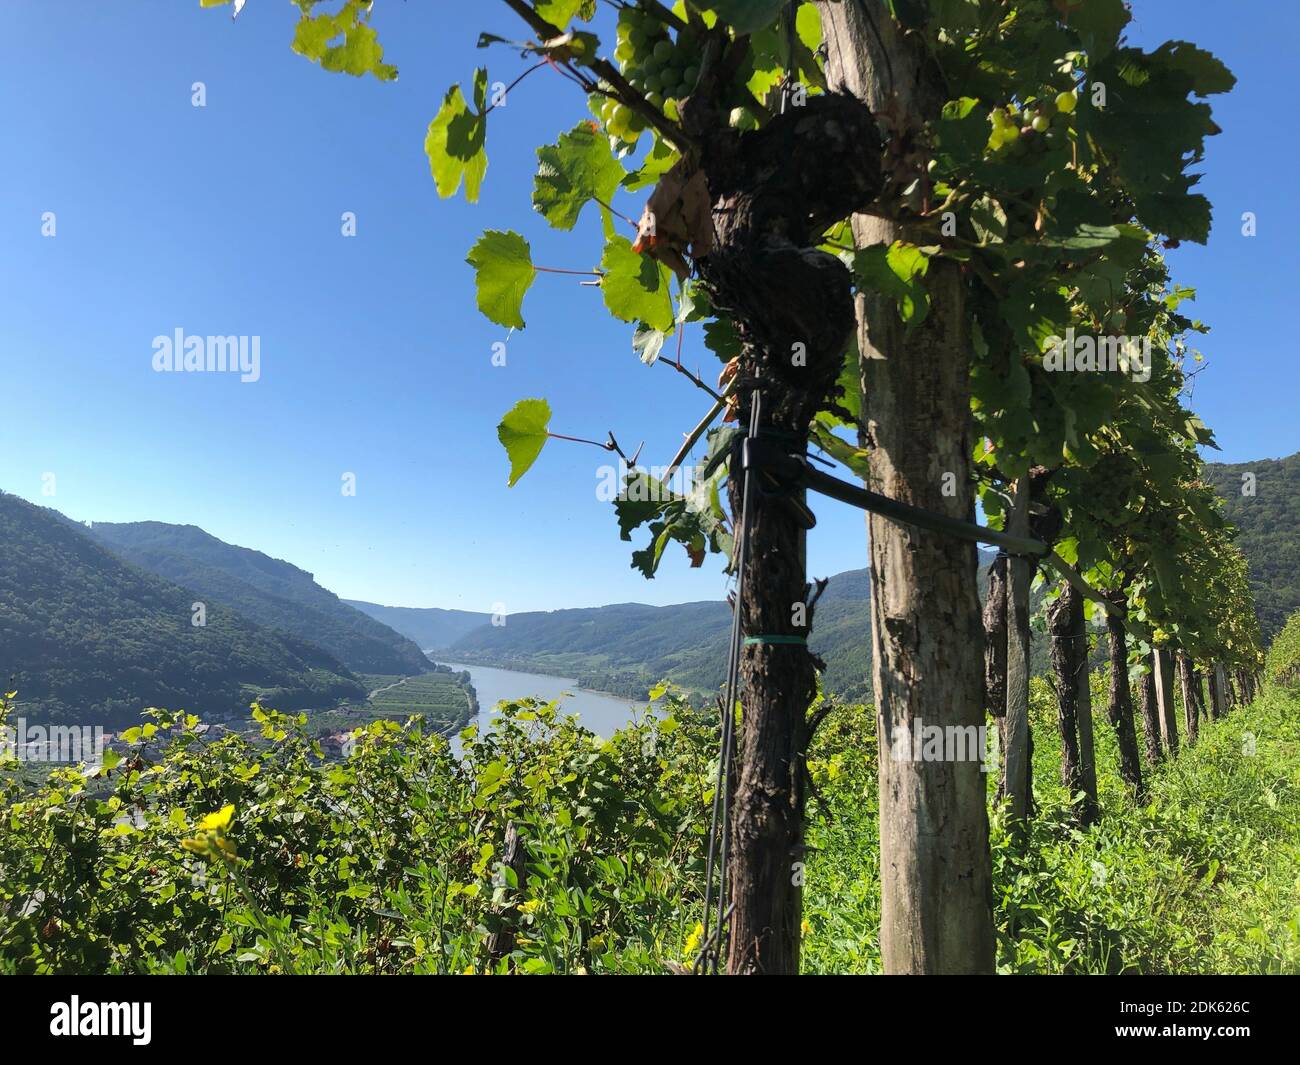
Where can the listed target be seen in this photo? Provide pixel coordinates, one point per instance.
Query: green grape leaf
(562, 12)
(1035, 316)
(1098, 23)
(635, 287)
(808, 25)
(989, 220)
(647, 558)
(523, 432)
(896, 270)
(457, 139)
(722, 439)
(963, 131)
(1198, 431)
(1182, 216)
(855, 458)
(747, 16)
(503, 272)
(574, 170)
(850, 381)
(721, 338)
(359, 52)
(1089, 237)
(640, 499)
(695, 520)
(1208, 75)
(658, 161)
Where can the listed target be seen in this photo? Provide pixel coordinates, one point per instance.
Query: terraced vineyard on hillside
(444, 699)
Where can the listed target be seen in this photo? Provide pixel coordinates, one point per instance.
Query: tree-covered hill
(265, 590)
(86, 637)
(1266, 512)
(427, 626)
(624, 647)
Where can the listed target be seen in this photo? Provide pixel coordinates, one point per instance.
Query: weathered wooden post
(1218, 684)
(1150, 713)
(1015, 723)
(501, 942)
(1164, 677)
(1191, 701)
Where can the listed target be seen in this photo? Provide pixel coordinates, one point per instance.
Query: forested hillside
(87, 637)
(624, 647)
(264, 589)
(427, 626)
(1266, 512)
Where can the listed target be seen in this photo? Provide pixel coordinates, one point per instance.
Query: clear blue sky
(225, 220)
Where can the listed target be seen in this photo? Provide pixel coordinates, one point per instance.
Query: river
(603, 714)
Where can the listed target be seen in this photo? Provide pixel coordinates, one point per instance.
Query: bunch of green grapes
(655, 64)
(1039, 125)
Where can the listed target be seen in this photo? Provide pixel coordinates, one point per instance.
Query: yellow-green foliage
(1284, 655)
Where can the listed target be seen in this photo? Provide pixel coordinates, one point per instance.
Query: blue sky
(226, 220)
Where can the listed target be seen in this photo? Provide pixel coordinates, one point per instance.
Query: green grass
(1203, 878)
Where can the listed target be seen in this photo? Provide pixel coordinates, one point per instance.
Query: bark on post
(1065, 625)
(1087, 748)
(1216, 690)
(1119, 706)
(1191, 703)
(514, 857)
(1150, 713)
(1016, 785)
(936, 891)
(793, 309)
(1164, 677)
(995, 639)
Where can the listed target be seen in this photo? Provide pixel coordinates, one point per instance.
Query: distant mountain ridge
(88, 638)
(427, 626)
(266, 590)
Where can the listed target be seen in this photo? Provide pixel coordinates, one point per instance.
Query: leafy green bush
(211, 851)
(386, 861)
(1283, 664)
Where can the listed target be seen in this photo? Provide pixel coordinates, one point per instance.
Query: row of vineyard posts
(882, 217)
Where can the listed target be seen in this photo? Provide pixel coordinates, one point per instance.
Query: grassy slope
(1202, 879)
